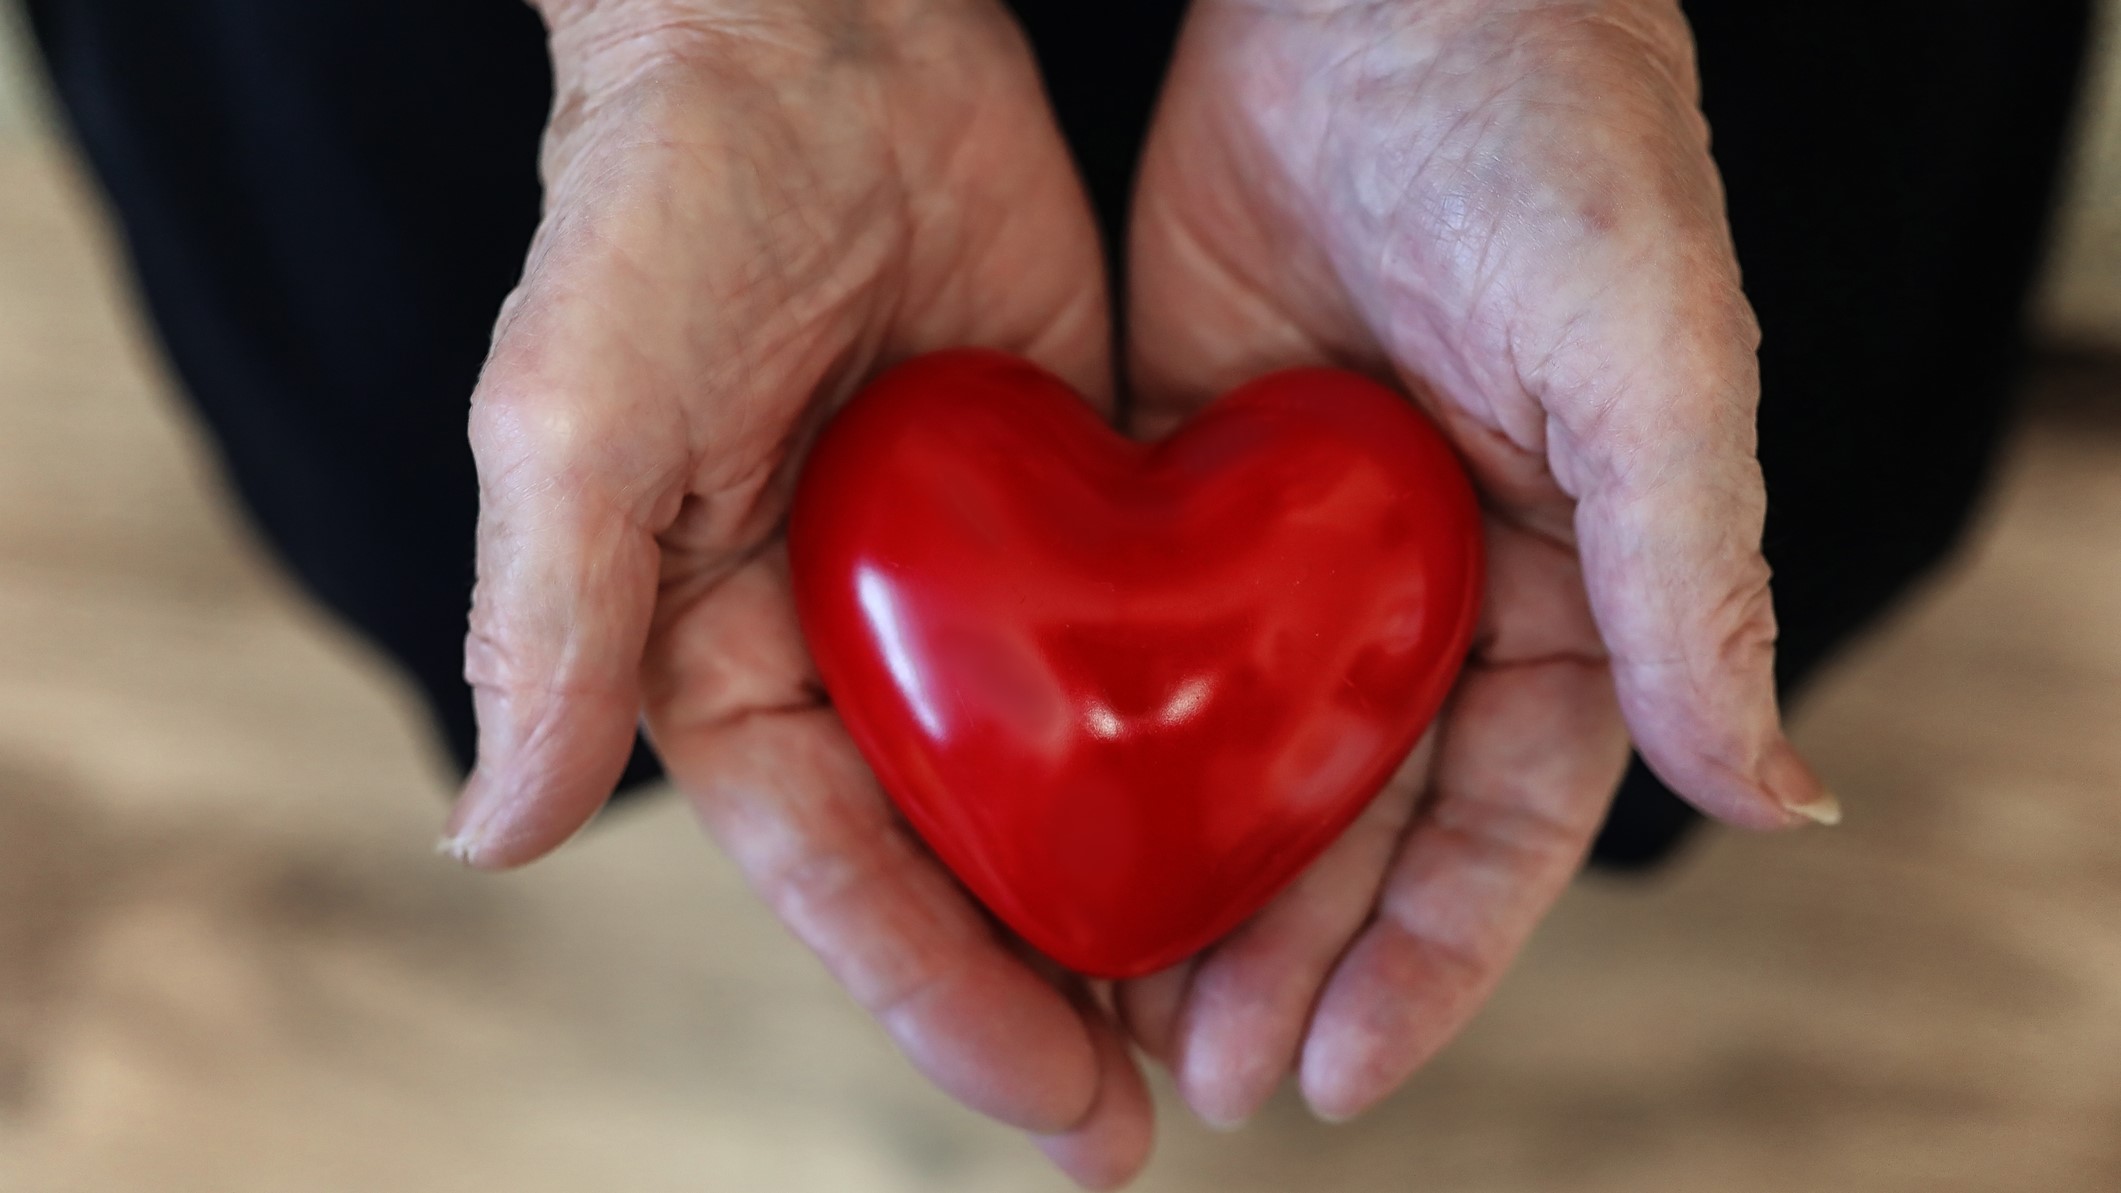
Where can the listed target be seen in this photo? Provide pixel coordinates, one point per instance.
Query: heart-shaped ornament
(1127, 691)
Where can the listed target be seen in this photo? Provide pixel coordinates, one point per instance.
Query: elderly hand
(750, 208)
(1509, 207)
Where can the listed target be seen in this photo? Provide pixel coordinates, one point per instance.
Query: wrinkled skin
(1510, 208)
(751, 207)
(747, 216)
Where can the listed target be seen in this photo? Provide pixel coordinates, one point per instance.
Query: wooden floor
(230, 963)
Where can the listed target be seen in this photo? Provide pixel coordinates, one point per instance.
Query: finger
(779, 785)
(585, 451)
(1529, 754)
(787, 798)
(629, 415)
(1148, 1006)
(1251, 995)
(1669, 518)
(1245, 1018)
(1109, 1147)
(567, 575)
(1641, 355)
(1528, 765)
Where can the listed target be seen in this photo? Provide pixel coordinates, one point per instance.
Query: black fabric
(325, 202)
(1103, 84)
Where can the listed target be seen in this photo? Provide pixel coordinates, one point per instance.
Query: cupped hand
(750, 208)
(1510, 209)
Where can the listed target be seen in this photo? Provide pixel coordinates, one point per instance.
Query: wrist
(597, 42)
(1660, 24)
(846, 23)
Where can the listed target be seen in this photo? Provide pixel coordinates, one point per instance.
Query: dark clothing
(325, 202)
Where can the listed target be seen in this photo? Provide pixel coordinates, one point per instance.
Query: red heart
(1128, 691)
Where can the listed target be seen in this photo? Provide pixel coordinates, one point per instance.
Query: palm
(738, 232)
(1508, 213)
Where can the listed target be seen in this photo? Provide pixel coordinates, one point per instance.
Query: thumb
(1669, 517)
(567, 580)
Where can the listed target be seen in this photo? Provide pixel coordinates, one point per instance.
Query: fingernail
(467, 837)
(1222, 1114)
(1796, 786)
(1334, 1120)
(1217, 1086)
(1823, 809)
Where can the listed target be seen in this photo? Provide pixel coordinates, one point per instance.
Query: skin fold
(1508, 209)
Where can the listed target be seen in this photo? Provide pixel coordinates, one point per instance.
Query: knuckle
(1448, 959)
(501, 659)
(1529, 836)
(1746, 615)
(1733, 634)
(1709, 693)
(526, 426)
(485, 651)
(558, 411)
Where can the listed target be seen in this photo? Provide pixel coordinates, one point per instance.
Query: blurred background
(230, 962)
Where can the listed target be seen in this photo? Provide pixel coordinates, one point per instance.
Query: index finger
(779, 785)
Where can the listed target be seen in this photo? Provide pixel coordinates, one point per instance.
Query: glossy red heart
(1127, 691)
